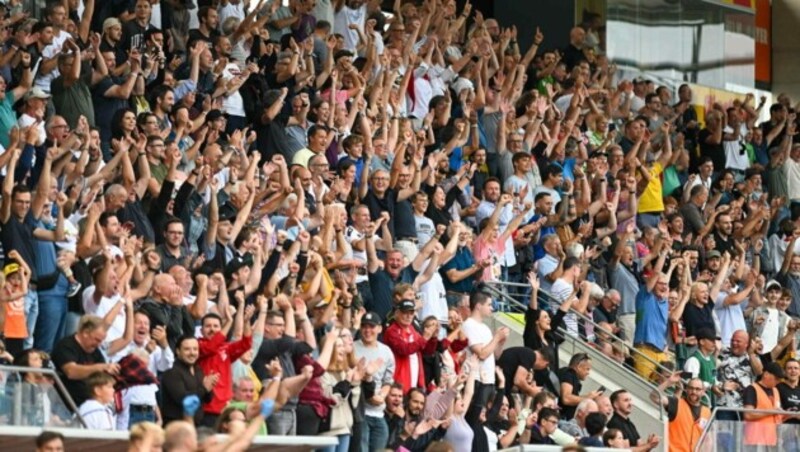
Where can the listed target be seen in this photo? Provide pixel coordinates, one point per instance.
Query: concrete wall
(786, 48)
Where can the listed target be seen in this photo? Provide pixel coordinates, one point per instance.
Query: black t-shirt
(715, 151)
(69, 351)
(511, 359)
(404, 224)
(790, 400)
(627, 428)
(599, 314)
(568, 375)
(195, 35)
(18, 235)
(695, 318)
(133, 212)
(723, 245)
(386, 204)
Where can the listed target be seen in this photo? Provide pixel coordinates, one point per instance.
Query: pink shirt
(483, 250)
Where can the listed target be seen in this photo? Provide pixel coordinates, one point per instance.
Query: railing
(502, 291)
(733, 435)
(42, 401)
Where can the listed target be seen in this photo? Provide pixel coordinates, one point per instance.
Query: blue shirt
(651, 319)
(538, 249)
(462, 260)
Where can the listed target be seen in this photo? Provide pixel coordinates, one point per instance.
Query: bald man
(165, 307)
(180, 436)
(573, 54)
(737, 368)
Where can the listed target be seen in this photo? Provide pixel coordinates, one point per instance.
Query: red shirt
(217, 356)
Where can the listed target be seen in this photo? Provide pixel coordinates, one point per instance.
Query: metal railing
(44, 403)
(496, 288)
(731, 432)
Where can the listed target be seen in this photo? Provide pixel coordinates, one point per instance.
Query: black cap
(407, 305)
(706, 333)
(774, 368)
(227, 212)
(371, 318)
(238, 262)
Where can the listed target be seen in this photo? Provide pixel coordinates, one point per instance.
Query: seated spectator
(78, 356)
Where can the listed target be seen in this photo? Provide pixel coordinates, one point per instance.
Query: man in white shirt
(352, 12)
(483, 343)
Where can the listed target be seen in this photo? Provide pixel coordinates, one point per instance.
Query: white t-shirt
(97, 416)
(233, 104)
(792, 169)
(43, 80)
(346, 17)
(425, 229)
(434, 297)
(561, 291)
(231, 10)
(351, 235)
(735, 152)
(479, 333)
(106, 304)
(26, 120)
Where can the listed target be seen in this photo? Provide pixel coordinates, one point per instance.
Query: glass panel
(32, 398)
(734, 436)
(691, 40)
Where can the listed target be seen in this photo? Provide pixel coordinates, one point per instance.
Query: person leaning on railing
(687, 416)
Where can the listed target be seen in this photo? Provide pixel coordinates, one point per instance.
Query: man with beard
(687, 416)
(622, 403)
(723, 229)
(183, 380)
(164, 100)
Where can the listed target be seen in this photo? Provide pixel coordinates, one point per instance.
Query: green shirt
(243, 406)
(8, 118)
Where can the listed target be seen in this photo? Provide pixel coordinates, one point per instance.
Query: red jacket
(404, 342)
(218, 356)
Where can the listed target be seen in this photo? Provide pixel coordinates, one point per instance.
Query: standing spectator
(184, 380)
(218, 355)
(484, 344)
(78, 356)
(96, 411)
(762, 428)
(408, 346)
(687, 415)
(737, 368)
(375, 430)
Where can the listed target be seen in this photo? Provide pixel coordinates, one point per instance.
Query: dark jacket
(176, 384)
(176, 319)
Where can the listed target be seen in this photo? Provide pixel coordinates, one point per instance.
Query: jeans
(31, 314)
(137, 416)
(52, 322)
(283, 422)
(344, 444)
(375, 434)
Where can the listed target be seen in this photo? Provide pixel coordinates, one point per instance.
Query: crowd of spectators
(276, 218)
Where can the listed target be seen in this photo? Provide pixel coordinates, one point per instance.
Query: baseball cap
(713, 254)
(774, 368)
(406, 305)
(706, 333)
(371, 318)
(36, 93)
(13, 267)
(773, 285)
(227, 212)
(236, 263)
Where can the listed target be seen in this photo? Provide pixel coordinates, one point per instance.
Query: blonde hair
(142, 429)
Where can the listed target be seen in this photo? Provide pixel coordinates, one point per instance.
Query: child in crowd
(96, 411)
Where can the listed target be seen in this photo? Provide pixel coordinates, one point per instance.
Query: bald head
(180, 436)
(577, 36)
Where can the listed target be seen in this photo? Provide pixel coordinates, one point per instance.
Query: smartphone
(686, 375)
(612, 126)
(601, 389)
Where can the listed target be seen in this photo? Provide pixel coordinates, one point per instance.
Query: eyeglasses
(696, 389)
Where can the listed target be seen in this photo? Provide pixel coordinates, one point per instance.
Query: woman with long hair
(342, 383)
(541, 332)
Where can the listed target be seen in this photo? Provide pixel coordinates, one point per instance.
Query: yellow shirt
(651, 200)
